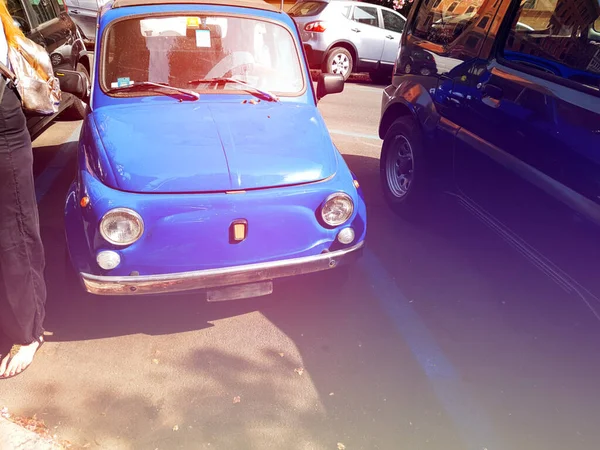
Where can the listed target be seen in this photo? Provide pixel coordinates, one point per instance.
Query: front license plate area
(240, 291)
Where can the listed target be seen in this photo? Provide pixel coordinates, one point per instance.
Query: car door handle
(456, 98)
(356, 30)
(389, 36)
(73, 11)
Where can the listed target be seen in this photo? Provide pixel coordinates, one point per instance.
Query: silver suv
(348, 36)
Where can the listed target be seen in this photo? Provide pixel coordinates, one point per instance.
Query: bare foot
(20, 360)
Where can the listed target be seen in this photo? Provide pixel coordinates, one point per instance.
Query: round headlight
(337, 209)
(121, 226)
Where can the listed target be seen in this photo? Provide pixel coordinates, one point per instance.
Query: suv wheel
(402, 168)
(338, 61)
(77, 110)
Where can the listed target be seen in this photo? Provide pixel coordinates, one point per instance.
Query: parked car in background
(342, 37)
(204, 162)
(510, 123)
(47, 23)
(84, 13)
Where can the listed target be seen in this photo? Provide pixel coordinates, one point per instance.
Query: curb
(358, 77)
(13, 436)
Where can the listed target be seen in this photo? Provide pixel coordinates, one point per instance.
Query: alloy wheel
(340, 64)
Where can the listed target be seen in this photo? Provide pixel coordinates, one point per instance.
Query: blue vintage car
(203, 162)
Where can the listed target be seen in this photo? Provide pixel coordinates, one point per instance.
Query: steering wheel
(229, 63)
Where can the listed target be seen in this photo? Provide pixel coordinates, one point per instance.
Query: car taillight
(316, 27)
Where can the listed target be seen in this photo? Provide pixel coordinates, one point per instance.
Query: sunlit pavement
(444, 338)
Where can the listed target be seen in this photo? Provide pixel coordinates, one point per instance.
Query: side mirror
(73, 82)
(329, 84)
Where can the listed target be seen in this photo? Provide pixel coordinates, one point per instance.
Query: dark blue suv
(500, 99)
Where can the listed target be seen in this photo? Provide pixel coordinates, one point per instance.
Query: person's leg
(22, 286)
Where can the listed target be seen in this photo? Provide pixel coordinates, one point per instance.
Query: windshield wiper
(159, 87)
(268, 95)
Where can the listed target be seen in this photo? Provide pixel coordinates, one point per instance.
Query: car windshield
(180, 50)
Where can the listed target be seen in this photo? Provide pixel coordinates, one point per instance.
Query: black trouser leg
(22, 286)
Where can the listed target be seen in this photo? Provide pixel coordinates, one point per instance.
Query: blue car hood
(161, 147)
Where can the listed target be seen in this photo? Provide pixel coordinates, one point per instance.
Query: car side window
(451, 23)
(43, 10)
(15, 8)
(392, 21)
(366, 14)
(557, 37)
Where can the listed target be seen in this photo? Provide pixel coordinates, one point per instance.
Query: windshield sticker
(203, 38)
(193, 22)
(121, 82)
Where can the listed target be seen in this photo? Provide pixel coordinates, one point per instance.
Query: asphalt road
(444, 338)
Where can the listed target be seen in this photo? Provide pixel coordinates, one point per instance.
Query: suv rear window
(306, 9)
(557, 37)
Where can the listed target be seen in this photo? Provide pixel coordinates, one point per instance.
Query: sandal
(14, 350)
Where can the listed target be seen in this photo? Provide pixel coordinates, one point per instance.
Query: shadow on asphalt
(520, 344)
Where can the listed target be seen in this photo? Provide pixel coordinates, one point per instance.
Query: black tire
(78, 110)
(333, 56)
(414, 201)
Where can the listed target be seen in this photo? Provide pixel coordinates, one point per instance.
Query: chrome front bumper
(215, 278)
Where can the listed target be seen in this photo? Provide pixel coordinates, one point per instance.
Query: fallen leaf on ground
(155, 361)
(176, 427)
(237, 399)
(37, 426)
(341, 446)
(299, 370)
(281, 354)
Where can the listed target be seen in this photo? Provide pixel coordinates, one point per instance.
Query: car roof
(255, 4)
